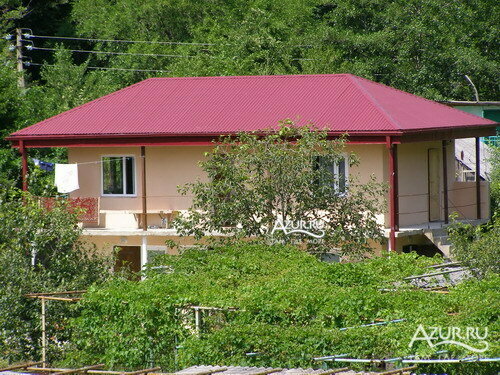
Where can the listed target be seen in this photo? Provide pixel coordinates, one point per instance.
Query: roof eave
(97, 140)
(368, 137)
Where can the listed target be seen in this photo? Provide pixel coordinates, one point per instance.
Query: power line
(29, 36)
(30, 48)
(103, 68)
(201, 44)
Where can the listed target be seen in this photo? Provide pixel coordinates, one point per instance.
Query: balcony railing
(87, 207)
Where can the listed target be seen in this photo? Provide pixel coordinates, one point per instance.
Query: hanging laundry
(44, 165)
(66, 178)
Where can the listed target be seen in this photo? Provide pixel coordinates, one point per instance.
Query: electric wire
(29, 36)
(110, 52)
(201, 44)
(104, 68)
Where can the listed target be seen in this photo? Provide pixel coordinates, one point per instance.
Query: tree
(40, 251)
(266, 186)
(495, 180)
(477, 246)
(423, 47)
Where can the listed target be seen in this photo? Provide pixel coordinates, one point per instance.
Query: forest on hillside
(76, 50)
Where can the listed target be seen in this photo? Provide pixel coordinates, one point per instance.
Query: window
(338, 171)
(118, 175)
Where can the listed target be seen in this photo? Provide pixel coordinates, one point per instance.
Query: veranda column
(144, 244)
(24, 164)
(445, 183)
(478, 179)
(393, 192)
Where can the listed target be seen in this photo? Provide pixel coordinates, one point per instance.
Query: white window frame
(124, 175)
(346, 175)
(336, 173)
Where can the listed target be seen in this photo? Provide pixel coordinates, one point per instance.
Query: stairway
(439, 237)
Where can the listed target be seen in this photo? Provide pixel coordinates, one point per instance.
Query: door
(128, 258)
(434, 179)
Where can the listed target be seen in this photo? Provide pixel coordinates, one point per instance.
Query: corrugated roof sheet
(224, 105)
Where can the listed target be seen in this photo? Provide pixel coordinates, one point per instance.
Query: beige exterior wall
(462, 200)
(168, 167)
(413, 180)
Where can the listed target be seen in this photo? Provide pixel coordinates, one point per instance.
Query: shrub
(290, 308)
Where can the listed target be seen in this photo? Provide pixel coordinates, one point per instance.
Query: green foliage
(477, 246)
(66, 85)
(495, 179)
(424, 47)
(49, 238)
(250, 188)
(289, 308)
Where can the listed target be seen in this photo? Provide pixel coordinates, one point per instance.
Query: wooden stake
(144, 371)
(78, 370)
(21, 366)
(334, 371)
(397, 371)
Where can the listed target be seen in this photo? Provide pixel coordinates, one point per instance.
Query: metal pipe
(144, 199)
(451, 360)
(478, 178)
(44, 335)
(476, 94)
(375, 324)
(358, 360)
(329, 357)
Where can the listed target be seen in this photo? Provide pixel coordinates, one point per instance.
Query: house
(465, 156)
(135, 146)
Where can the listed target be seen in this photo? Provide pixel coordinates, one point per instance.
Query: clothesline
(110, 157)
(41, 163)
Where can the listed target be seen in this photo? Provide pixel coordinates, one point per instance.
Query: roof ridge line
(255, 76)
(440, 105)
(62, 114)
(375, 102)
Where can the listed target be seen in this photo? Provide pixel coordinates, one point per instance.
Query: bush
(477, 246)
(40, 251)
(290, 308)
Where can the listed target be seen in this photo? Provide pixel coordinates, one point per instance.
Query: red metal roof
(207, 106)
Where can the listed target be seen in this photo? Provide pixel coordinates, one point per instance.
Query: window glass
(118, 175)
(341, 175)
(338, 171)
(129, 173)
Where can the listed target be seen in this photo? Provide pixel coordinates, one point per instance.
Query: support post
(445, 183)
(24, 165)
(478, 179)
(44, 335)
(197, 320)
(19, 56)
(144, 252)
(144, 201)
(393, 192)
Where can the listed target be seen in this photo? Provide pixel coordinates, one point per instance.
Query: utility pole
(19, 55)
